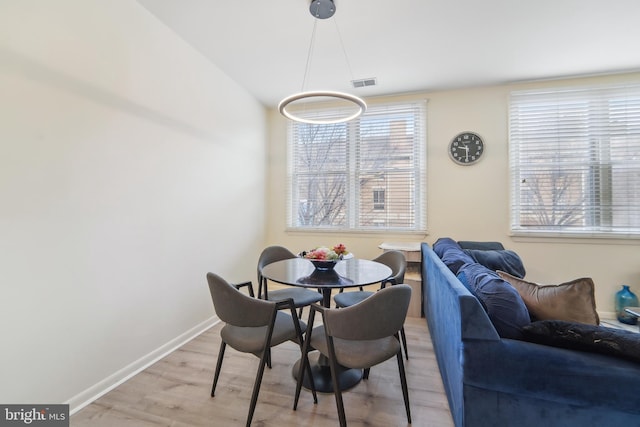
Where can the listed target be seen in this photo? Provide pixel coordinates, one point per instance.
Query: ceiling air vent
(364, 82)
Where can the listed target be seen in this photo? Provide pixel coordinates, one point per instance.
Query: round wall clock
(466, 148)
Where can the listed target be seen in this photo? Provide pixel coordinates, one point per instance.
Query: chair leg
(403, 382)
(365, 375)
(256, 387)
(313, 384)
(223, 346)
(263, 292)
(336, 385)
(304, 363)
(404, 343)
(305, 367)
(260, 289)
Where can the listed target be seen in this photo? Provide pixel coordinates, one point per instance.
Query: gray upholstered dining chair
(397, 262)
(252, 326)
(360, 336)
(301, 297)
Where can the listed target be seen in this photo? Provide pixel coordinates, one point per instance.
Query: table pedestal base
(321, 372)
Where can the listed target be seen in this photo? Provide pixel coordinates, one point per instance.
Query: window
(378, 199)
(575, 161)
(363, 175)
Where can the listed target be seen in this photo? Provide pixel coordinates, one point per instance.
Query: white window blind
(366, 174)
(575, 160)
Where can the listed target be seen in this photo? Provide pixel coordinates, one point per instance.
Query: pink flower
(340, 249)
(325, 254)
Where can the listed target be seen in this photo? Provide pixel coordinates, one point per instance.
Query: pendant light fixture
(321, 9)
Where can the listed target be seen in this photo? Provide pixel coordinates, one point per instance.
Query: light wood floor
(176, 391)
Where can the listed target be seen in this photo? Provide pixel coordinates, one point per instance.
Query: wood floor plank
(175, 391)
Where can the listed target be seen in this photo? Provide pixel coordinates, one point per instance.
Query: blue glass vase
(626, 298)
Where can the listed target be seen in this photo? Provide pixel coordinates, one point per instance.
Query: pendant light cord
(309, 55)
(311, 48)
(344, 51)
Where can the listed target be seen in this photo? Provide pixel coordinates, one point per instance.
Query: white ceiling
(408, 45)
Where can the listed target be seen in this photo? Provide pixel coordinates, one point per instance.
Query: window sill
(418, 234)
(595, 238)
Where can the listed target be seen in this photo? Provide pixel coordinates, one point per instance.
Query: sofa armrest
(453, 314)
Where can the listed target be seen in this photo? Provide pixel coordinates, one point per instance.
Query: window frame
(354, 195)
(600, 133)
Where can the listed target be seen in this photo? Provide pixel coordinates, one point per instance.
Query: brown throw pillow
(573, 301)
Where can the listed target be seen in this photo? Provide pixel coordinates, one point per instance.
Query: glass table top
(347, 273)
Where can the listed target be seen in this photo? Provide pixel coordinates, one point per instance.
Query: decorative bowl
(324, 258)
(324, 264)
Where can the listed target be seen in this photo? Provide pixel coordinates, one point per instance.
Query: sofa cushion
(451, 254)
(582, 337)
(504, 260)
(484, 246)
(572, 301)
(502, 302)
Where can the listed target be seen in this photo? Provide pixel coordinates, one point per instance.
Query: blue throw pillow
(462, 277)
(451, 254)
(503, 260)
(502, 301)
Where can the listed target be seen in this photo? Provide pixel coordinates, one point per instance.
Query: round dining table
(347, 273)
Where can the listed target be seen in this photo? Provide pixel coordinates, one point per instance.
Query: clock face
(466, 148)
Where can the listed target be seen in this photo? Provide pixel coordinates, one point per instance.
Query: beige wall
(472, 202)
(124, 178)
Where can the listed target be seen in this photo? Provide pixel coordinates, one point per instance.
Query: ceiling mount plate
(322, 9)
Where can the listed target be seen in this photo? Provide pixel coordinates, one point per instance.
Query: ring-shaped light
(359, 102)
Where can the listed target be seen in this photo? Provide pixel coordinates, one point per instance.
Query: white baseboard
(84, 398)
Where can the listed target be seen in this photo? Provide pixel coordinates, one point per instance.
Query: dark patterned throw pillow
(583, 337)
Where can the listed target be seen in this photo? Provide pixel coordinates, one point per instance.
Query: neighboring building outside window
(575, 161)
(364, 175)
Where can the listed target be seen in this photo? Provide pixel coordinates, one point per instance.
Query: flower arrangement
(323, 253)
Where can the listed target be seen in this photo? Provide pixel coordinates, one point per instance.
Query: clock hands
(466, 149)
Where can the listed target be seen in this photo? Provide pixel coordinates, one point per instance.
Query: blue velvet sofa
(494, 381)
